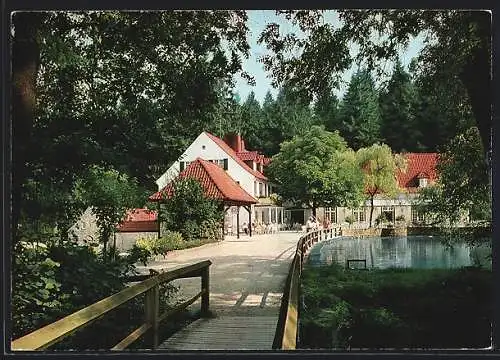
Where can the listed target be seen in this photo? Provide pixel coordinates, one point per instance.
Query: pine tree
(326, 110)
(283, 118)
(252, 122)
(359, 114)
(441, 110)
(397, 105)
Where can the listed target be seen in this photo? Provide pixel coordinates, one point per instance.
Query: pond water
(384, 252)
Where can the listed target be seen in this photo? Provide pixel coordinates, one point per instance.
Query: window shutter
(181, 165)
(226, 165)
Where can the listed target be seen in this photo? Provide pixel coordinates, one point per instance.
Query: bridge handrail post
(205, 287)
(152, 311)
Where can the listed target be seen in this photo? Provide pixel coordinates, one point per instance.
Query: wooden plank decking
(225, 333)
(242, 322)
(247, 278)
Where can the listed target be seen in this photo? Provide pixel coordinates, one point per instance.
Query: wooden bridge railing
(53, 333)
(286, 334)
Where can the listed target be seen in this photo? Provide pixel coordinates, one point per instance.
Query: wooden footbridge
(247, 321)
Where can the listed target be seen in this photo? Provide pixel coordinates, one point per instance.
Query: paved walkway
(247, 277)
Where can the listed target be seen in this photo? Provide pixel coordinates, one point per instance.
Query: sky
(257, 20)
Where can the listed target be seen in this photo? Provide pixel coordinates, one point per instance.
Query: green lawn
(396, 308)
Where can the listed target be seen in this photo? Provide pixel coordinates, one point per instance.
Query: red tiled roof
(139, 220)
(233, 154)
(254, 156)
(140, 215)
(247, 155)
(216, 183)
(418, 165)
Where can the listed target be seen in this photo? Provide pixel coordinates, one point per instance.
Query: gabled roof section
(139, 220)
(216, 184)
(235, 157)
(418, 165)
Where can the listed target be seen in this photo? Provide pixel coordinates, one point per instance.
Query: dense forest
(402, 112)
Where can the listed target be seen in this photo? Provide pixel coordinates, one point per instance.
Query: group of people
(264, 228)
(314, 223)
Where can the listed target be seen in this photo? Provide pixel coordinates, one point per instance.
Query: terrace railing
(288, 322)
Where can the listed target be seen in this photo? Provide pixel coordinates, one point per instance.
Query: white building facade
(245, 167)
(420, 173)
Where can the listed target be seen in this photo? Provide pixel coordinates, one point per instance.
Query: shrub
(144, 243)
(140, 254)
(57, 280)
(395, 308)
(211, 229)
(188, 210)
(400, 218)
(379, 328)
(171, 240)
(349, 219)
(37, 297)
(191, 230)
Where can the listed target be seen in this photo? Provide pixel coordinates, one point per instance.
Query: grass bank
(396, 308)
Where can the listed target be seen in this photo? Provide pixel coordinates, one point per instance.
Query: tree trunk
(25, 63)
(104, 250)
(371, 210)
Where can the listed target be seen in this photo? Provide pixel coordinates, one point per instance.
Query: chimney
(237, 143)
(243, 145)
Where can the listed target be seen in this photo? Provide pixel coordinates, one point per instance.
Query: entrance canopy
(216, 184)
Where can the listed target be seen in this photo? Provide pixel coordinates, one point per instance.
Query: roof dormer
(423, 180)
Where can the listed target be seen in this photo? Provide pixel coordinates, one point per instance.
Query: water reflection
(384, 252)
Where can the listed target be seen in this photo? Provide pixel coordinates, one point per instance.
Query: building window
(223, 163)
(331, 215)
(359, 215)
(203, 147)
(416, 216)
(388, 211)
(255, 189)
(261, 189)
